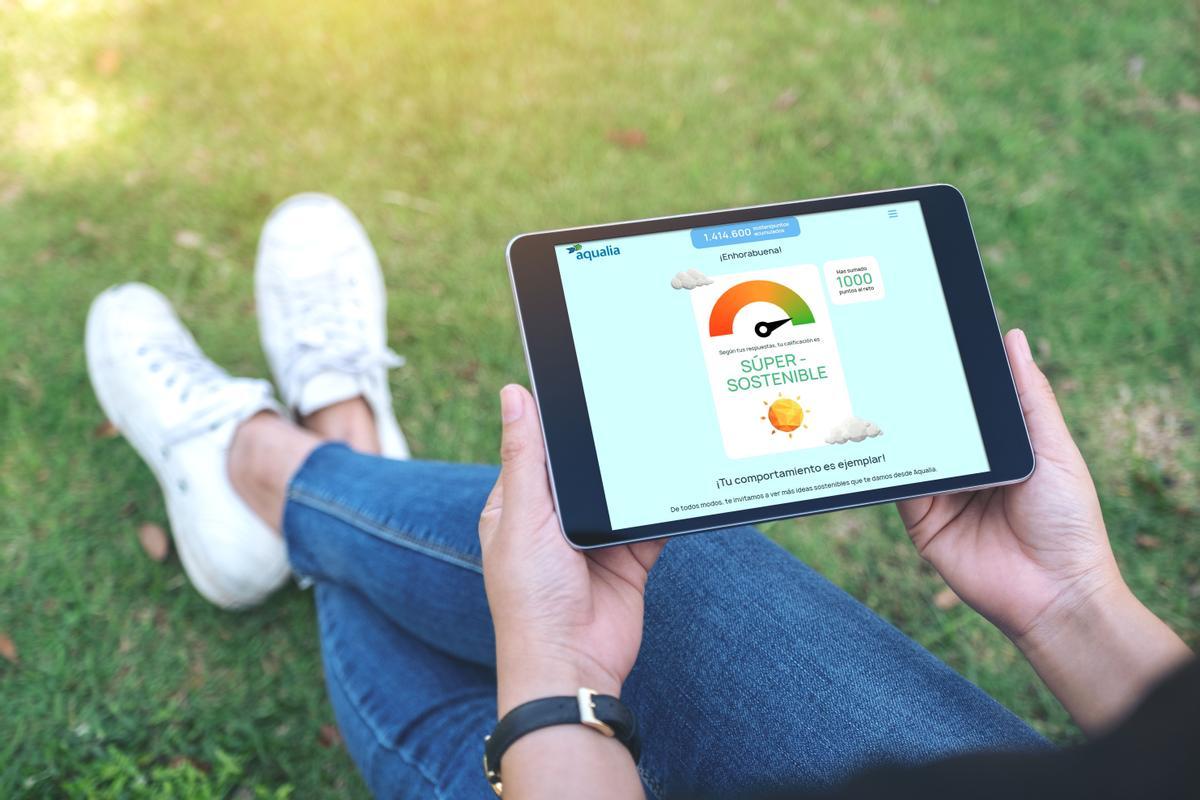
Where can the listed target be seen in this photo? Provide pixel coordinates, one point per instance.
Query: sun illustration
(786, 415)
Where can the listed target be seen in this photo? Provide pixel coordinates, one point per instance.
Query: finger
(647, 552)
(913, 511)
(1047, 429)
(1048, 432)
(522, 457)
(630, 563)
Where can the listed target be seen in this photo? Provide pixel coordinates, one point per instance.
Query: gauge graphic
(738, 296)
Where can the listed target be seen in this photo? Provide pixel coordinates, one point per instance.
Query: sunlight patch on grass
(65, 117)
(53, 107)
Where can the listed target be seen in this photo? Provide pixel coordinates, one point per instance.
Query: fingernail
(512, 405)
(1023, 344)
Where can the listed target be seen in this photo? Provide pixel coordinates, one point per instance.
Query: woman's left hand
(563, 618)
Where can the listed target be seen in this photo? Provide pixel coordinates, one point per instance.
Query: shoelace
(184, 368)
(330, 339)
(181, 365)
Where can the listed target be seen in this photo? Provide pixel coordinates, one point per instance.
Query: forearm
(1102, 655)
(564, 760)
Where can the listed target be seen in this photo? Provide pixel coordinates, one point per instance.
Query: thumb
(522, 456)
(1047, 429)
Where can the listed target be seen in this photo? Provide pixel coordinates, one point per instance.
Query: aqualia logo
(581, 254)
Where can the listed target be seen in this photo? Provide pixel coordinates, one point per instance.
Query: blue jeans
(754, 672)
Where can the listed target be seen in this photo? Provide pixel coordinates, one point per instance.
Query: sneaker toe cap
(311, 221)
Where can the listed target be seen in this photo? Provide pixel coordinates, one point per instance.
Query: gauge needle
(765, 329)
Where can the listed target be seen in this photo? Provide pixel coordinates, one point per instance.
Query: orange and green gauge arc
(738, 296)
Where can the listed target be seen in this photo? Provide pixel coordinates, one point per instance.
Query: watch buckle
(587, 712)
(492, 778)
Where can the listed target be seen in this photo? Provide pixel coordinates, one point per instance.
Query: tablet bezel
(554, 371)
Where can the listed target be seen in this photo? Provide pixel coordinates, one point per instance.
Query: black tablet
(708, 370)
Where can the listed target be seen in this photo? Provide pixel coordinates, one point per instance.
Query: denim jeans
(754, 672)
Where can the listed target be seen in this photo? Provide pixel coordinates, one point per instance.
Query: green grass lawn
(148, 139)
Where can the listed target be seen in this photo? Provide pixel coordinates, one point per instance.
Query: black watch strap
(601, 712)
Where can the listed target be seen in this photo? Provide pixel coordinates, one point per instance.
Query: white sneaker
(322, 312)
(179, 411)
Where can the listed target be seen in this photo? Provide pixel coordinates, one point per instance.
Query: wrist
(1087, 614)
(1101, 653)
(579, 761)
(523, 675)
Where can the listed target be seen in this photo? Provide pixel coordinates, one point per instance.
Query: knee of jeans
(717, 575)
(741, 548)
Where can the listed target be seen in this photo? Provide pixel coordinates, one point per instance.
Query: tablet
(708, 370)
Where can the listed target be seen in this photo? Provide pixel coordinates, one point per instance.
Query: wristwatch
(600, 712)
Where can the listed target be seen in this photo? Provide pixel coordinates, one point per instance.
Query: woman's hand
(563, 618)
(1034, 559)
(1019, 553)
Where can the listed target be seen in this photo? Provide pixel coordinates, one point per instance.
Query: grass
(451, 126)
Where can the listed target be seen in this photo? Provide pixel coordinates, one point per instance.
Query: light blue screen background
(648, 393)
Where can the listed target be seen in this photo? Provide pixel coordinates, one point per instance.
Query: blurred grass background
(148, 139)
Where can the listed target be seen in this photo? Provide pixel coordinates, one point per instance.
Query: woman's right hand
(1034, 559)
(1018, 554)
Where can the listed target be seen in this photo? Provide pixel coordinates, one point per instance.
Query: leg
(350, 421)
(743, 643)
(412, 717)
(406, 637)
(401, 534)
(756, 672)
(267, 449)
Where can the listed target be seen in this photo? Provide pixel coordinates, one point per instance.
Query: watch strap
(601, 712)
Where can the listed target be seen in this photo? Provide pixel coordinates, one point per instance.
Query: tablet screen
(758, 363)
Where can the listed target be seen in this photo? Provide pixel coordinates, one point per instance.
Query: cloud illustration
(690, 279)
(852, 429)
